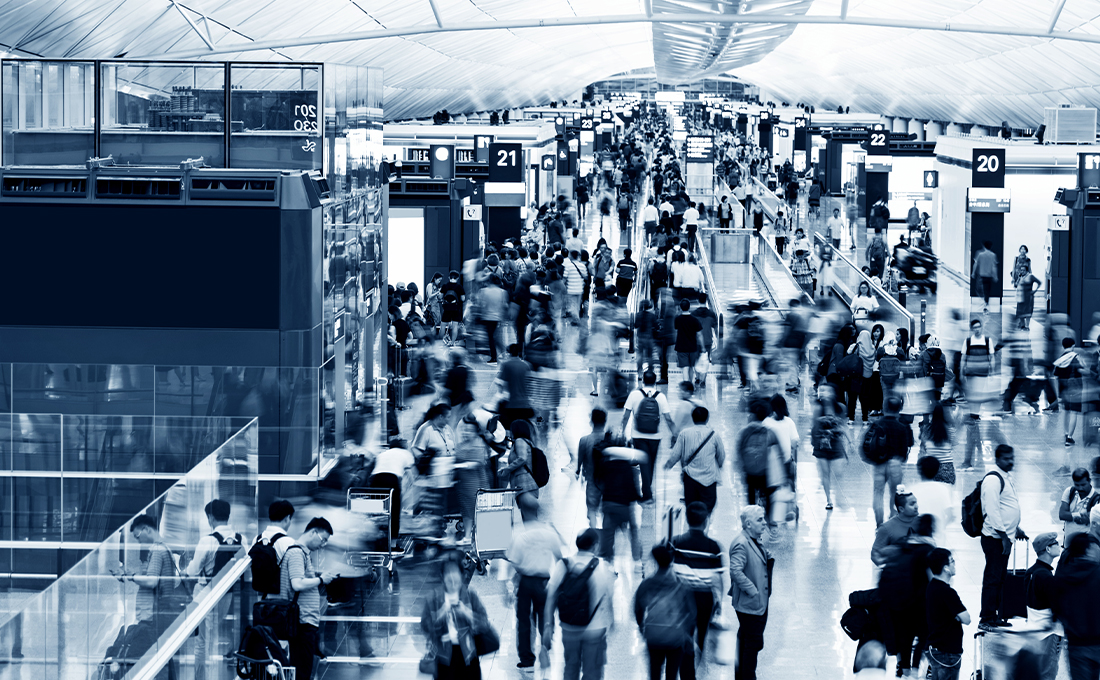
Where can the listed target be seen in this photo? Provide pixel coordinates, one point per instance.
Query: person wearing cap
(898, 528)
(1041, 592)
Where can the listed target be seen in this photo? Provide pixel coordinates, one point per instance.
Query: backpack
(538, 469)
(228, 546)
(575, 597)
(855, 621)
(973, 517)
(754, 335)
(849, 365)
(659, 272)
(913, 218)
(665, 621)
(889, 369)
(265, 566)
(647, 417)
(624, 202)
(878, 251)
(876, 444)
(937, 370)
(755, 440)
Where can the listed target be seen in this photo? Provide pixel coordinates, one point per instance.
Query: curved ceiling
(468, 55)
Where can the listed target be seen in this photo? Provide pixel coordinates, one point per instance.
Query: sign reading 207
(305, 118)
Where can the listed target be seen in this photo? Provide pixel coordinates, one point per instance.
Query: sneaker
(1069, 441)
(828, 506)
(523, 665)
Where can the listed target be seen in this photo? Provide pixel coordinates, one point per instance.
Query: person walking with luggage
(701, 564)
(828, 438)
(886, 444)
(452, 616)
(1001, 524)
(945, 616)
(581, 593)
(665, 613)
(299, 581)
(699, 452)
(644, 410)
(1041, 595)
(534, 551)
(518, 469)
(751, 577)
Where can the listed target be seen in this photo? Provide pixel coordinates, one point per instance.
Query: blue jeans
(944, 666)
(585, 650)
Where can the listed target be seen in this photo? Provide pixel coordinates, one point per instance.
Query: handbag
(486, 640)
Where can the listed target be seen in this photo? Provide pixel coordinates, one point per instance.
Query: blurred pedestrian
(829, 440)
(701, 564)
(700, 454)
(665, 613)
(535, 549)
(518, 468)
(580, 591)
(452, 616)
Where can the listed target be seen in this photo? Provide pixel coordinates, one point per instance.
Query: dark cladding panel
(139, 266)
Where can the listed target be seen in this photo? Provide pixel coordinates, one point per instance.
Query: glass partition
(49, 112)
(162, 114)
(845, 276)
(104, 612)
(276, 116)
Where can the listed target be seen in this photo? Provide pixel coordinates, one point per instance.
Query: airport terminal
(511, 340)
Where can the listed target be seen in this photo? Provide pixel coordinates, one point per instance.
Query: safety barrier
(844, 277)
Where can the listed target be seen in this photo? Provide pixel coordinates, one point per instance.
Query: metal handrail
(879, 291)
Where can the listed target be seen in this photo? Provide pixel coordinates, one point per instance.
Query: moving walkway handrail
(878, 290)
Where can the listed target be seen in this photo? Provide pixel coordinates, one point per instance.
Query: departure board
(700, 149)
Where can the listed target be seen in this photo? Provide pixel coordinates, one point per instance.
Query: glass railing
(844, 277)
(288, 402)
(99, 620)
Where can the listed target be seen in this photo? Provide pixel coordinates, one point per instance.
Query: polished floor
(820, 559)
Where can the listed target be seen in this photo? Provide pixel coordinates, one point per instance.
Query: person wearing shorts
(688, 330)
(586, 465)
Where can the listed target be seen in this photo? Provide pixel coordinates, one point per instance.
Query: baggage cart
(1004, 653)
(376, 505)
(493, 522)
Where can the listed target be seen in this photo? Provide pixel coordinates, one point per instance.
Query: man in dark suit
(750, 575)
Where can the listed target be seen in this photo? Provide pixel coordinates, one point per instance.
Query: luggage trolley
(374, 504)
(493, 521)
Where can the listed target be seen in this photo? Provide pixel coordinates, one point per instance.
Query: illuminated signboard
(700, 149)
(988, 199)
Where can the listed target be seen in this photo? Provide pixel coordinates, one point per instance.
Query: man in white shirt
(389, 471)
(1001, 510)
(575, 243)
(665, 206)
(650, 217)
(280, 514)
(691, 225)
(647, 438)
(834, 227)
(211, 554)
(934, 498)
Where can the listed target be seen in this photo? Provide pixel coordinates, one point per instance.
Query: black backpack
(973, 517)
(855, 621)
(228, 546)
(876, 444)
(574, 599)
(265, 566)
(538, 468)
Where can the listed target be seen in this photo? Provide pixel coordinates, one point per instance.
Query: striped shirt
(703, 468)
(697, 560)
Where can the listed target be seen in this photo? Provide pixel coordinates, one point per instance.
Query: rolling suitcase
(1014, 594)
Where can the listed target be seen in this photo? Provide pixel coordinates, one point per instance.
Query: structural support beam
(678, 18)
(193, 26)
(1055, 14)
(648, 8)
(435, 11)
(843, 9)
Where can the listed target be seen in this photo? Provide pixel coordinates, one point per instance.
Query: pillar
(899, 125)
(934, 129)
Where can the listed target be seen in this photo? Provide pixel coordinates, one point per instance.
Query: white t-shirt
(666, 207)
(650, 214)
(785, 431)
(632, 403)
(691, 216)
(938, 500)
(1077, 506)
(394, 462)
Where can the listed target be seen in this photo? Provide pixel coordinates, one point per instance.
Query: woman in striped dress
(936, 441)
